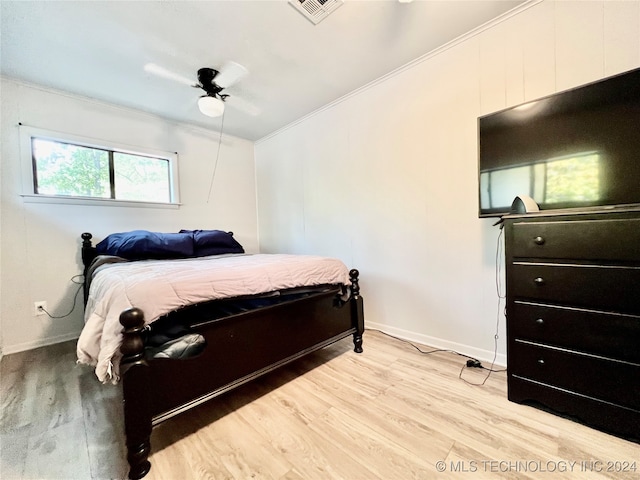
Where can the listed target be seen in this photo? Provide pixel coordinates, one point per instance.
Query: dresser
(573, 315)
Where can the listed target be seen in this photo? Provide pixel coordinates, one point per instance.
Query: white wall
(40, 243)
(386, 178)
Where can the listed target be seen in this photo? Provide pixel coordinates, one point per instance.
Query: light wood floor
(389, 413)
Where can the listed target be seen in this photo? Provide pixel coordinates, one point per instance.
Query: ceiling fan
(213, 82)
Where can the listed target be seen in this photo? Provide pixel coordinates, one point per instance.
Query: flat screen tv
(576, 149)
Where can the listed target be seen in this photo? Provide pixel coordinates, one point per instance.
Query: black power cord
(424, 352)
(75, 299)
(501, 296)
(471, 361)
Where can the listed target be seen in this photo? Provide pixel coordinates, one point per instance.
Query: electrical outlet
(39, 308)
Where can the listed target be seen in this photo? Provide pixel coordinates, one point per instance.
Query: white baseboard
(22, 347)
(485, 356)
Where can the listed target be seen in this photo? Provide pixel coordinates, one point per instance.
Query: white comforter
(161, 286)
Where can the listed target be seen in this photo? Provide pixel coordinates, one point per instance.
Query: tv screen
(575, 149)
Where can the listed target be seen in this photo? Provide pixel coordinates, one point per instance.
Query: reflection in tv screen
(571, 180)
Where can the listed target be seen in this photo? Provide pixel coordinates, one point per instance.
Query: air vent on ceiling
(316, 10)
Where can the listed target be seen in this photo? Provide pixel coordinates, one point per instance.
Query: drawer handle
(540, 321)
(539, 281)
(539, 240)
(540, 361)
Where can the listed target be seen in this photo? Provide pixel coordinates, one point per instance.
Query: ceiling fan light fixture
(211, 106)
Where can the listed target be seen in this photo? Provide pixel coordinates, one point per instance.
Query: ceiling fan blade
(168, 74)
(243, 105)
(229, 74)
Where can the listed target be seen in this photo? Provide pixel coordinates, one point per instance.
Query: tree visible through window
(74, 170)
(573, 179)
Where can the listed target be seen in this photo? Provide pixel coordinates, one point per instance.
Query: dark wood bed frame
(240, 348)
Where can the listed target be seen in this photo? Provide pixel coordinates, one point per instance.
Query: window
(69, 167)
(573, 179)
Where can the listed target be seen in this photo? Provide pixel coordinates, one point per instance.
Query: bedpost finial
(86, 239)
(355, 285)
(88, 254)
(132, 318)
(132, 346)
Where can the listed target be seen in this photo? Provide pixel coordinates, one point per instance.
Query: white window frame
(28, 190)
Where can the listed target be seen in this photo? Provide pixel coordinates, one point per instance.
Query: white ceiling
(98, 49)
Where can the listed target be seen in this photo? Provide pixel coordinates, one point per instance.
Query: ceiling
(99, 49)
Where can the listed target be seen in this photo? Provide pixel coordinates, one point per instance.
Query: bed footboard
(157, 389)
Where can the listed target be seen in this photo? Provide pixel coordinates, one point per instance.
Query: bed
(208, 328)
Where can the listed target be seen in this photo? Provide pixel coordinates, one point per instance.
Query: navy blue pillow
(141, 244)
(213, 242)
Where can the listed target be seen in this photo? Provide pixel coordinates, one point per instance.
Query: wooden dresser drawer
(591, 286)
(597, 377)
(607, 240)
(608, 334)
(621, 421)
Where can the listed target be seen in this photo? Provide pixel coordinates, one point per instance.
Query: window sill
(105, 202)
